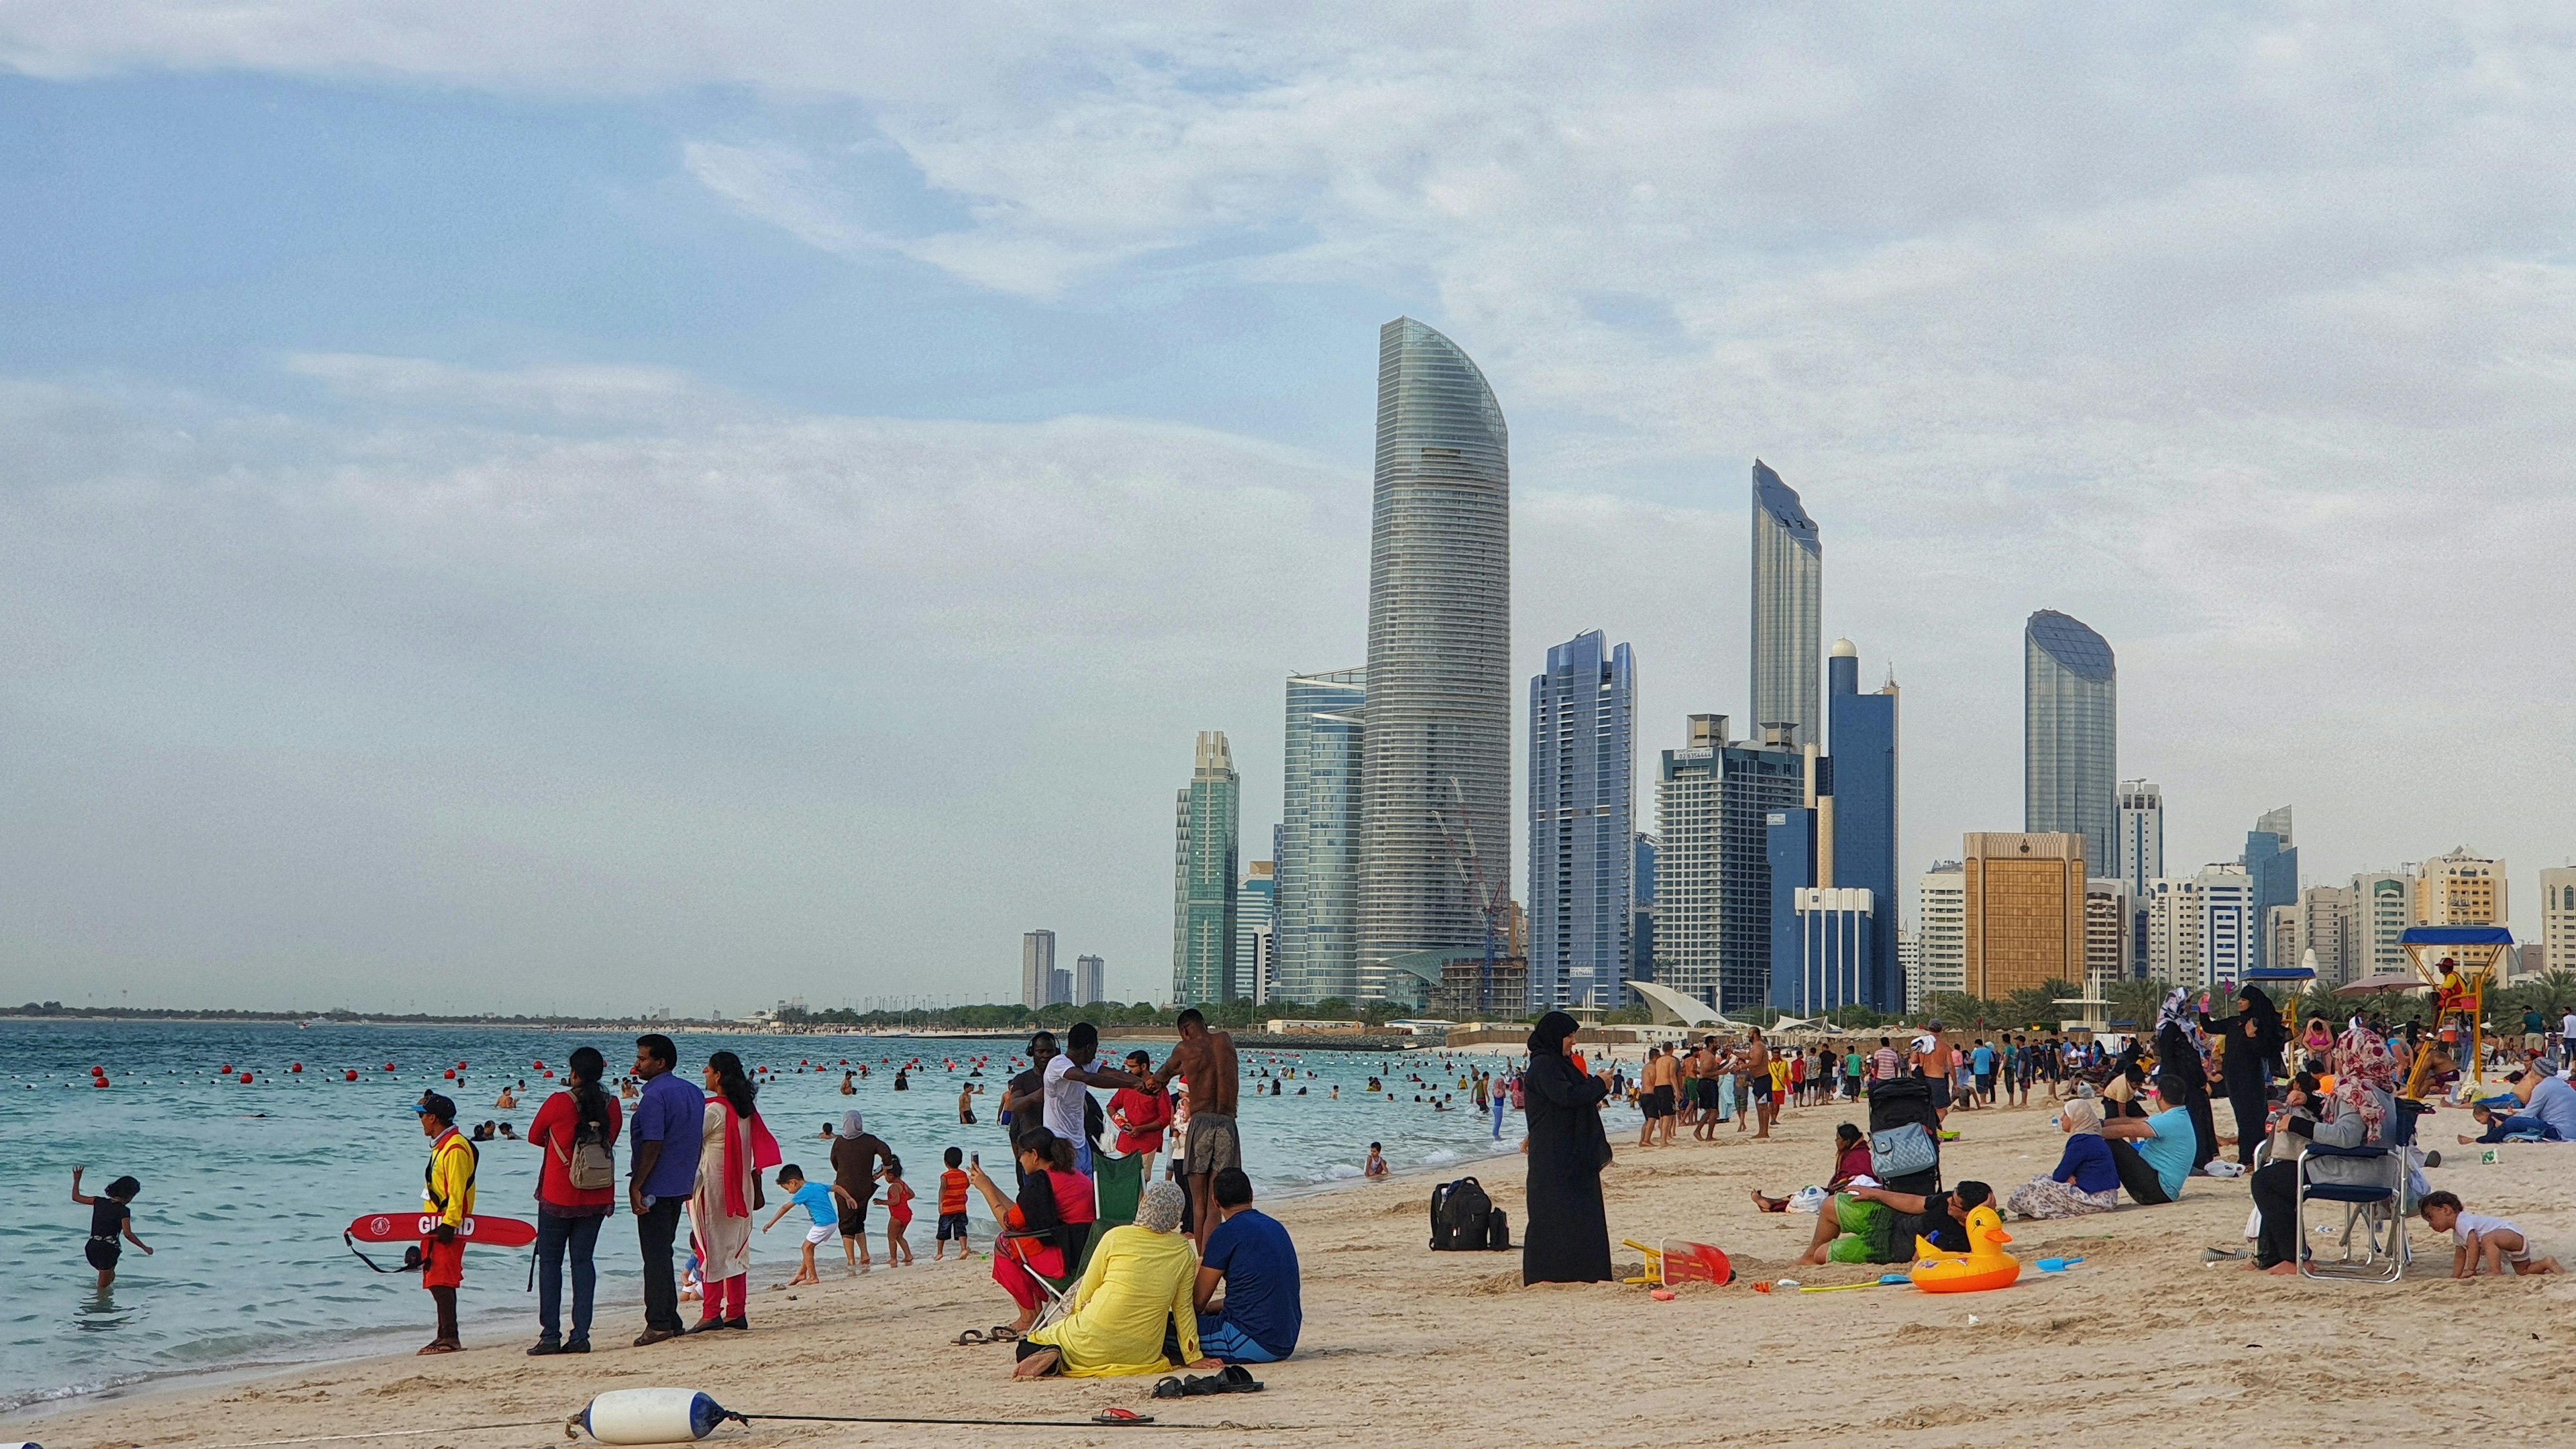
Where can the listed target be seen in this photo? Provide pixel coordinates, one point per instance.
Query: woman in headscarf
(857, 1153)
(2252, 1054)
(1567, 1239)
(727, 1194)
(1131, 1313)
(2361, 1112)
(2086, 1180)
(2182, 1077)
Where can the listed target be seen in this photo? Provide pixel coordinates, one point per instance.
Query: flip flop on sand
(1116, 1415)
(970, 1336)
(1168, 1389)
(1001, 1333)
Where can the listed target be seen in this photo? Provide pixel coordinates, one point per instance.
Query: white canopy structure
(1671, 1008)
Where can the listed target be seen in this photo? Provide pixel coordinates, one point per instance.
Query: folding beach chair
(1117, 1185)
(2377, 1207)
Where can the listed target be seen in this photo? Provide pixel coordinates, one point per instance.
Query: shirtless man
(1663, 1087)
(1706, 1067)
(1757, 1066)
(1204, 1061)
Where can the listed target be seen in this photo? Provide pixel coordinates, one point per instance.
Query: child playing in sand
(109, 1217)
(952, 1208)
(821, 1211)
(898, 1205)
(689, 1275)
(2486, 1244)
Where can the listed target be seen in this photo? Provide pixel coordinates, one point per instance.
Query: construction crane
(1493, 902)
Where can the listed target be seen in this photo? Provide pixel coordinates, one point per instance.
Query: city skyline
(583, 523)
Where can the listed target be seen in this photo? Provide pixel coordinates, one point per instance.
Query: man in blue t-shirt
(670, 1115)
(1248, 1255)
(2163, 1142)
(1982, 1062)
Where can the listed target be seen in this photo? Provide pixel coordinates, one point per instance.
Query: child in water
(1376, 1164)
(109, 1216)
(898, 1205)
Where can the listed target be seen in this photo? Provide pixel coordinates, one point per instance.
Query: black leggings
(2276, 1197)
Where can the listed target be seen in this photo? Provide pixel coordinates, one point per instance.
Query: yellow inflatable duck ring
(1986, 1266)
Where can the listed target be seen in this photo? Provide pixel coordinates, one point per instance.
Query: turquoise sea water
(246, 1187)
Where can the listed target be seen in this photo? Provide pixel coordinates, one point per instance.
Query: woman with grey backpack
(576, 1192)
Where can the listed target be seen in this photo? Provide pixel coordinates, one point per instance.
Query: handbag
(1902, 1150)
(589, 1167)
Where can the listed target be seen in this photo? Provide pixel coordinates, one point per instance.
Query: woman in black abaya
(2254, 1039)
(2182, 1078)
(1568, 1236)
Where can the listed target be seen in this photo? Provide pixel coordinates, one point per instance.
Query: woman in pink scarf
(728, 1193)
(2360, 1113)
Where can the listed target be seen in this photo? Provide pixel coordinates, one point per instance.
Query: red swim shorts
(443, 1264)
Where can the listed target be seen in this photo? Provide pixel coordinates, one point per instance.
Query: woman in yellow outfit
(1134, 1294)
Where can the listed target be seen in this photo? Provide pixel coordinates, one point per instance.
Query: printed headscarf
(2365, 1069)
(1159, 1210)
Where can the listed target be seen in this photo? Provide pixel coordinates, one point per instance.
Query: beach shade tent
(2479, 952)
(1672, 1008)
(2377, 985)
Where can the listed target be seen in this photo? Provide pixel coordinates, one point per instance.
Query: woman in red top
(1141, 1117)
(1851, 1159)
(1031, 1245)
(577, 1131)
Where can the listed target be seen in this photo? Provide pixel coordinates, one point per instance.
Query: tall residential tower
(1582, 839)
(1788, 611)
(1318, 934)
(1436, 772)
(2070, 734)
(1207, 853)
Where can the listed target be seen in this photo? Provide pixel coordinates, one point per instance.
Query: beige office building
(1940, 936)
(2558, 918)
(2110, 935)
(2023, 913)
(2460, 889)
(2383, 906)
(2325, 927)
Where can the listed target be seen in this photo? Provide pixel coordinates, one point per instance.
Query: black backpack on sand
(1464, 1219)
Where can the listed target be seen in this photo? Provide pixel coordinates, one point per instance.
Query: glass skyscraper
(1864, 783)
(1582, 840)
(2070, 736)
(1435, 795)
(2272, 860)
(1206, 863)
(1318, 842)
(1788, 611)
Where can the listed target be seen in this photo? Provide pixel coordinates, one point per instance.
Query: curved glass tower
(2070, 736)
(1788, 611)
(1436, 765)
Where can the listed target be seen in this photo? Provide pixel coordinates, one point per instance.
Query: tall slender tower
(1436, 771)
(1317, 941)
(1788, 611)
(1207, 850)
(2070, 734)
(1582, 838)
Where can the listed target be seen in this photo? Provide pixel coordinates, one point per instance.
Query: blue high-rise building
(1582, 832)
(1754, 781)
(2273, 863)
(2071, 736)
(1317, 846)
(1789, 850)
(1836, 930)
(1788, 593)
(1641, 931)
(1864, 789)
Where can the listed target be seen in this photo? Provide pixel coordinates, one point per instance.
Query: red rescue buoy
(389, 1066)
(536, 1066)
(451, 1074)
(295, 1066)
(245, 1079)
(550, 1076)
(98, 1071)
(460, 1066)
(353, 1074)
(228, 1069)
(99, 1080)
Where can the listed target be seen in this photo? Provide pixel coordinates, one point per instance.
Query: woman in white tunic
(727, 1194)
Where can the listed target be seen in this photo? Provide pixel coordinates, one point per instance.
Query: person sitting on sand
(1250, 1257)
(2485, 1244)
(1851, 1160)
(1874, 1225)
(1137, 1289)
(2153, 1154)
(2085, 1180)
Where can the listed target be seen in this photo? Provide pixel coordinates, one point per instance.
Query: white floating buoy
(652, 1416)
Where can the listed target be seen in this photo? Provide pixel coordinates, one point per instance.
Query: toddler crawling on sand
(2486, 1243)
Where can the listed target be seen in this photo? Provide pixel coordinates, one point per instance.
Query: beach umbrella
(2384, 982)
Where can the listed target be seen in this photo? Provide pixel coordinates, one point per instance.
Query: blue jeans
(2504, 1127)
(553, 1233)
(1228, 1341)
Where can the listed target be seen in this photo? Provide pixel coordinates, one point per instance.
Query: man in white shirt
(2567, 1040)
(1067, 1077)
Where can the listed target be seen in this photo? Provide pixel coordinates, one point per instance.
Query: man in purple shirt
(669, 1116)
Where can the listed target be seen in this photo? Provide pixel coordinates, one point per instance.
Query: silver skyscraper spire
(1788, 611)
(1435, 798)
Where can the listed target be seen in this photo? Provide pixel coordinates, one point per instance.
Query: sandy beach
(2139, 1343)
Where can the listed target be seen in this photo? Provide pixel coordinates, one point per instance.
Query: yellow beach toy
(1986, 1266)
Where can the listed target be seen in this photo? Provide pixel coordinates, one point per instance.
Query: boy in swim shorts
(822, 1213)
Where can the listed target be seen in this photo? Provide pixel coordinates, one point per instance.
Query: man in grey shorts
(1204, 1061)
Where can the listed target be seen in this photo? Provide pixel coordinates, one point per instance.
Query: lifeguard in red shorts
(447, 1193)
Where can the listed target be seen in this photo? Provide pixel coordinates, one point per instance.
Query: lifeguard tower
(2479, 954)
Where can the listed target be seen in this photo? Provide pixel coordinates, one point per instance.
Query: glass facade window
(1864, 782)
(1206, 864)
(1436, 770)
(2070, 734)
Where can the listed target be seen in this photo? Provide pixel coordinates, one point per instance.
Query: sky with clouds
(535, 506)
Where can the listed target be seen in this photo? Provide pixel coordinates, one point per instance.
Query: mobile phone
(975, 1158)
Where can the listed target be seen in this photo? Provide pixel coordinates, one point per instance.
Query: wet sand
(2140, 1343)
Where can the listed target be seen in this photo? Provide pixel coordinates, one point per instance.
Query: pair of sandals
(998, 1333)
(1234, 1378)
